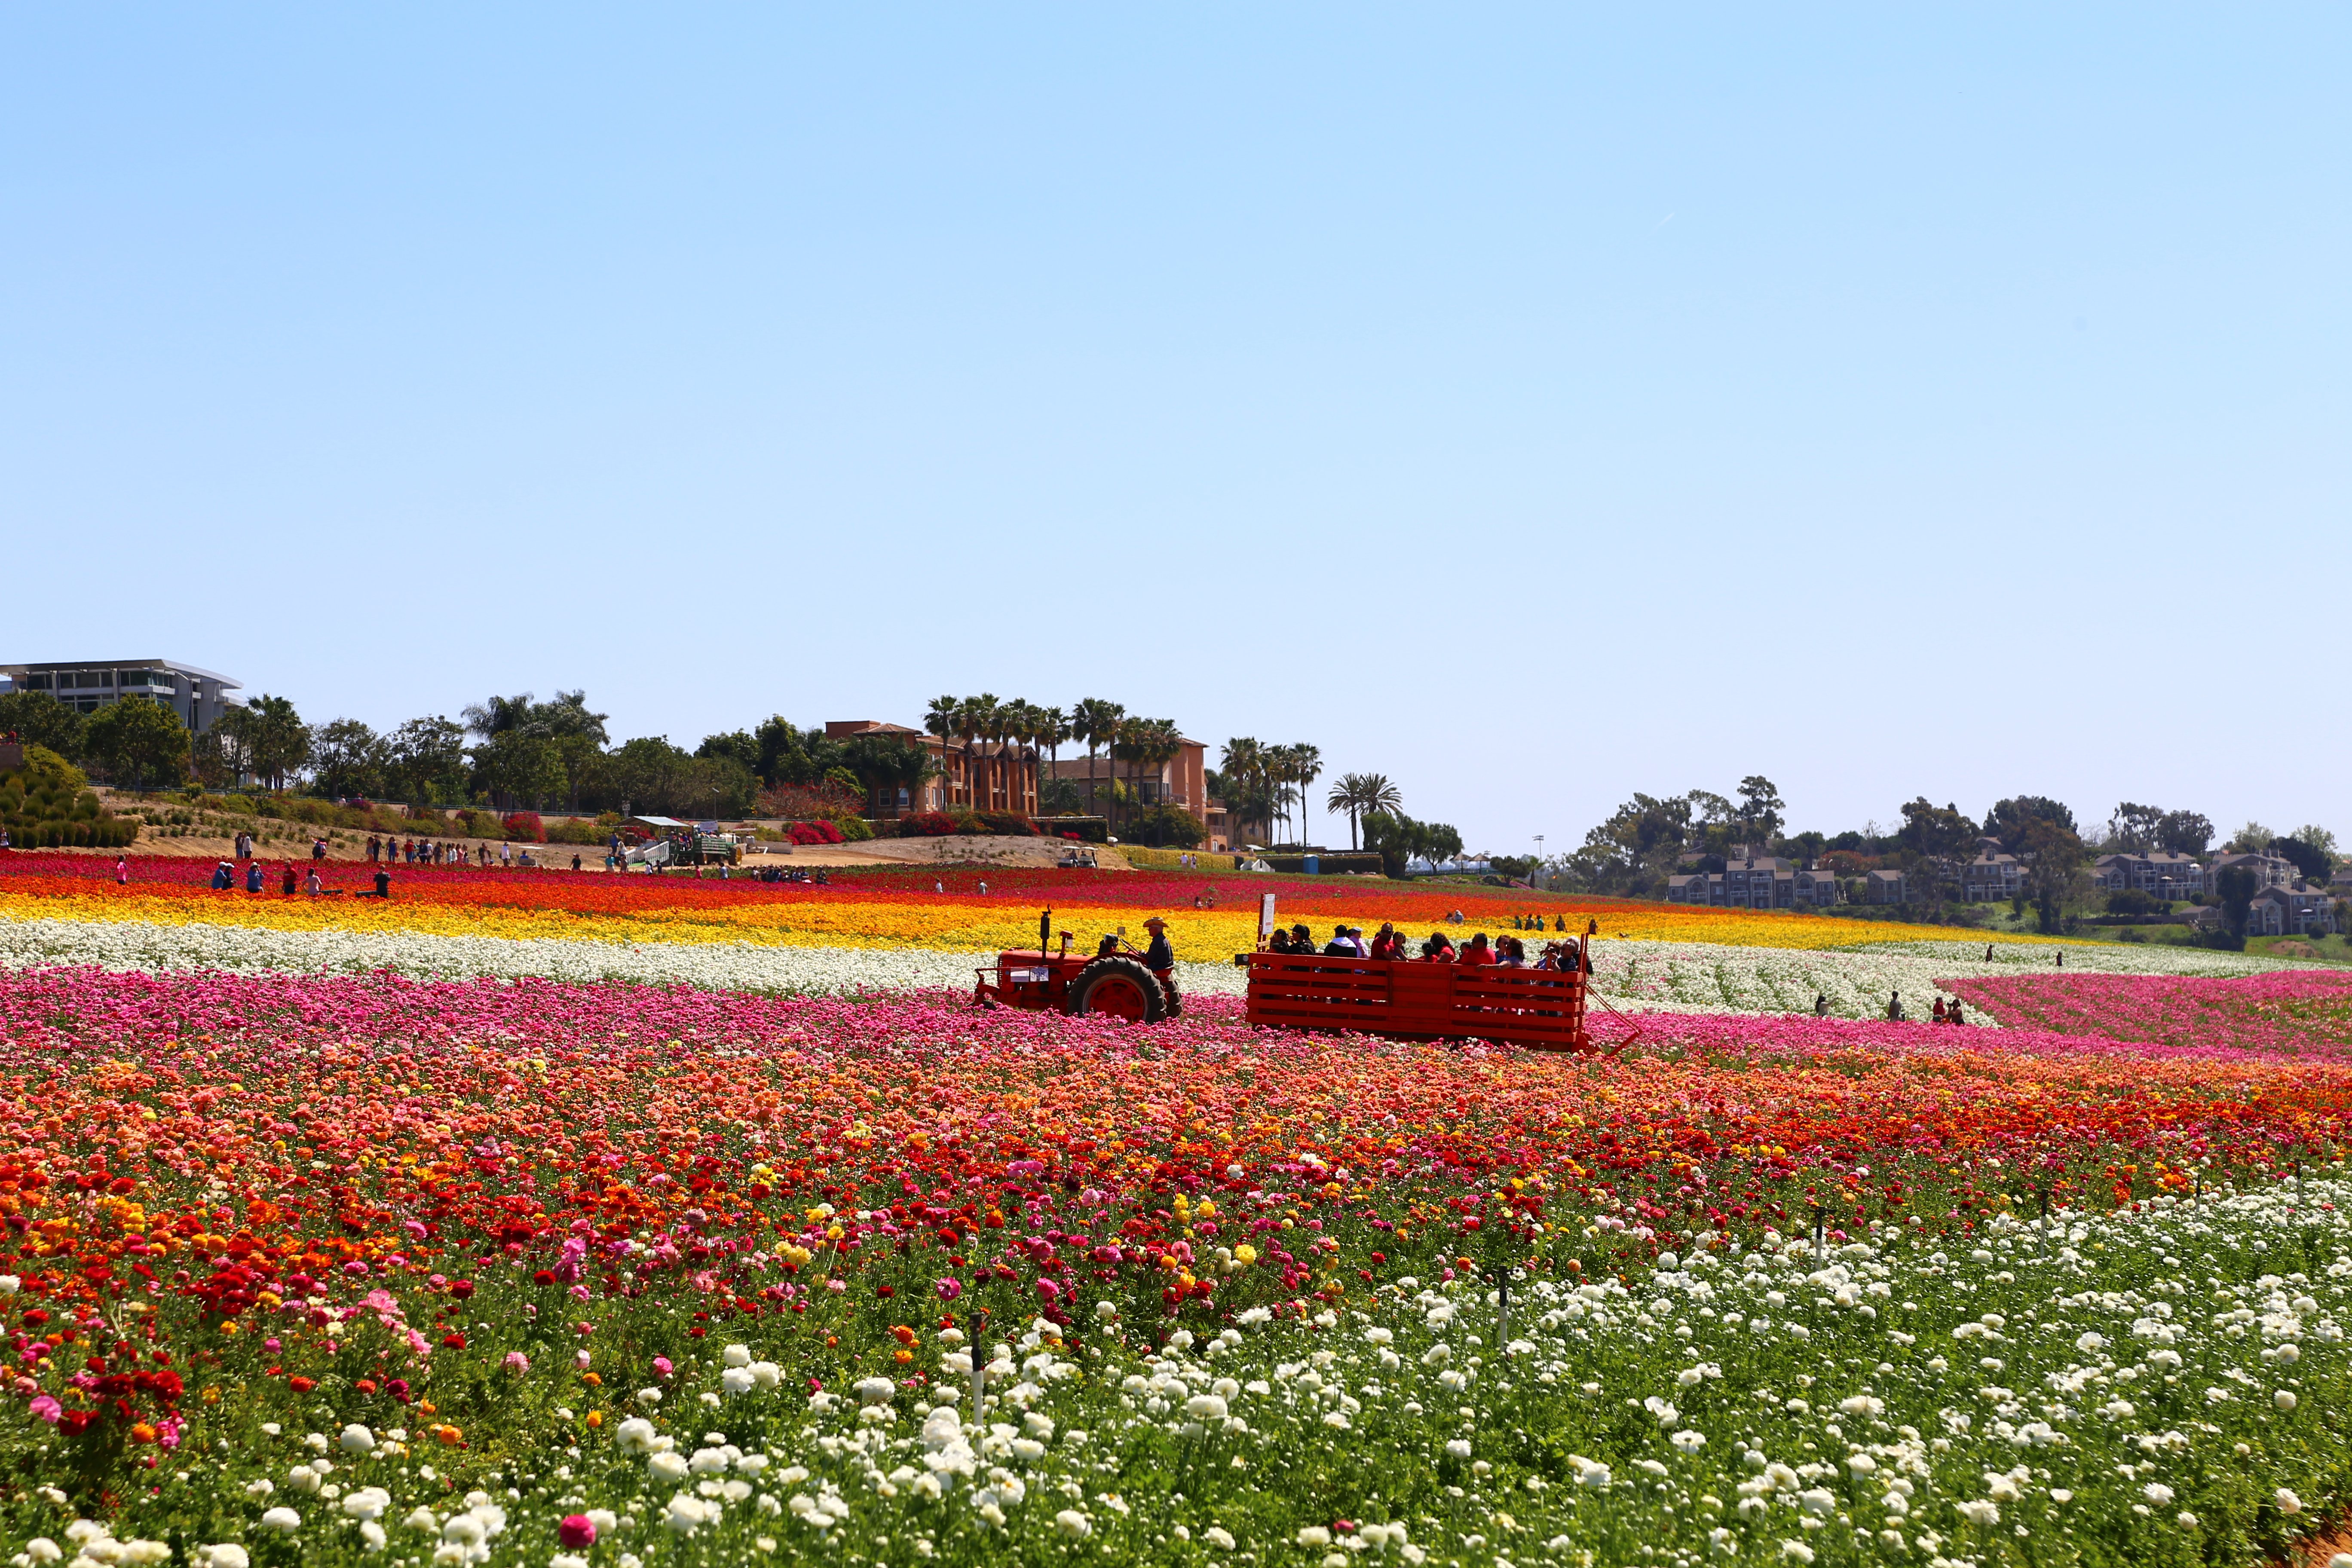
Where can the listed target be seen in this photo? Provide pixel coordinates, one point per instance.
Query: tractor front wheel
(1118, 988)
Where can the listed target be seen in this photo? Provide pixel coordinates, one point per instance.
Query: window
(38, 682)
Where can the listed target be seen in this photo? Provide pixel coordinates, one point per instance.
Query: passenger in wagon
(1437, 949)
(1388, 944)
(1341, 944)
(1477, 952)
(1513, 954)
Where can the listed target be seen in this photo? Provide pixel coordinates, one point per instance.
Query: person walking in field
(253, 876)
(1895, 1006)
(122, 871)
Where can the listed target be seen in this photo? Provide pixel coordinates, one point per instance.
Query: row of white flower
(1687, 977)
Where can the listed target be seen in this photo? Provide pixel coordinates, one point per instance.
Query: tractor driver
(1159, 955)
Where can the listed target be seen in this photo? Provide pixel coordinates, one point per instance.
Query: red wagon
(1542, 1009)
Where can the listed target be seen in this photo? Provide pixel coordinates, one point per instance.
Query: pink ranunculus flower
(518, 1363)
(48, 1409)
(576, 1530)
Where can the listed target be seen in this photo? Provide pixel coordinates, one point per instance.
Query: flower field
(322, 1247)
(893, 929)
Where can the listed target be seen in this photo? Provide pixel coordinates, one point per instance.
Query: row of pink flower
(2293, 1012)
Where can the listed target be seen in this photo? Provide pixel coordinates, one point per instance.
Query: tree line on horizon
(1650, 838)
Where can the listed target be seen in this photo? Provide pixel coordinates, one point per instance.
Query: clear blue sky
(1533, 405)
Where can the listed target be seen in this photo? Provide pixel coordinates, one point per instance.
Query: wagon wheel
(1118, 988)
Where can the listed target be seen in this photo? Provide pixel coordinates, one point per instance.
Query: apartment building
(199, 695)
(1993, 876)
(2299, 909)
(2165, 873)
(1756, 882)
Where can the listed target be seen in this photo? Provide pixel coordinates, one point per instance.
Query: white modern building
(200, 696)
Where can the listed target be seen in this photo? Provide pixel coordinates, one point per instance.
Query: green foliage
(515, 767)
(787, 754)
(425, 762)
(40, 719)
(1638, 848)
(43, 809)
(2010, 820)
(2237, 887)
(138, 741)
(886, 765)
(265, 739)
(1398, 839)
(1164, 826)
(655, 778)
(350, 760)
(2310, 859)
(45, 767)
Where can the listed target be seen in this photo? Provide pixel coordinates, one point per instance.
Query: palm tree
(1053, 729)
(1359, 795)
(942, 719)
(975, 716)
(1096, 722)
(1245, 763)
(1295, 767)
(1026, 722)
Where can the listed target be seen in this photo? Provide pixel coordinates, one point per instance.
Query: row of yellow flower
(949, 925)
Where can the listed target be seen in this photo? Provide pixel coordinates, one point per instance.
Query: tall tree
(2237, 885)
(1358, 794)
(1095, 722)
(140, 741)
(887, 764)
(349, 758)
(272, 738)
(944, 719)
(2053, 861)
(1053, 729)
(516, 769)
(2011, 820)
(1248, 793)
(2137, 830)
(424, 760)
(2184, 833)
(1759, 812)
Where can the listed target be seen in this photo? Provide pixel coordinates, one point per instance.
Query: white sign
(1266, 917)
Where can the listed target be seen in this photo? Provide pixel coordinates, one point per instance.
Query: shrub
(574, 830)
(1164, 827)
(927, 825)
(855, 829)
(525, 826)
(1008, 823)
(818, 831)
(802, 802)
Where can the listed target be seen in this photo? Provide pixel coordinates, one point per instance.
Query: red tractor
(1113, 981)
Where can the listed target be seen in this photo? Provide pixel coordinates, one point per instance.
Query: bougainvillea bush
(307, 1267)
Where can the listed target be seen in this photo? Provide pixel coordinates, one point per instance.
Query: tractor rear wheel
(1118, 988)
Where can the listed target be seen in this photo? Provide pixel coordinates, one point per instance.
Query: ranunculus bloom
(576, 1530)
